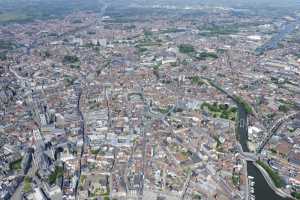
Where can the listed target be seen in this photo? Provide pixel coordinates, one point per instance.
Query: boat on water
(252, 197)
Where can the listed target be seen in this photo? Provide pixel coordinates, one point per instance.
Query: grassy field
(220, 110)
(13, 17)
(27, 185)
(22, 11)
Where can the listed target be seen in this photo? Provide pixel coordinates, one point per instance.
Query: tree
(283, 108)
(296, 195)
(70, 59)
(186, 48)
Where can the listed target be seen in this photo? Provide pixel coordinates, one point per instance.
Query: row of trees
(274, 175)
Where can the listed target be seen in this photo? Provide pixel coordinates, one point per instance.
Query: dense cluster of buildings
(98, 107)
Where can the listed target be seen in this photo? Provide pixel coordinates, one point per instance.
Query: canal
(262, 191)
(274, 41)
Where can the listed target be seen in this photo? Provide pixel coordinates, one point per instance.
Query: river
(274, 41)
(262, 190)
(242, 127)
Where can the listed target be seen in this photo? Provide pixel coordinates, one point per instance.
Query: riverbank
(263, 190)
(271, 184)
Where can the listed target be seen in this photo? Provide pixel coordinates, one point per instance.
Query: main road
(82, 131)
(82, 120)
(274, 129)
